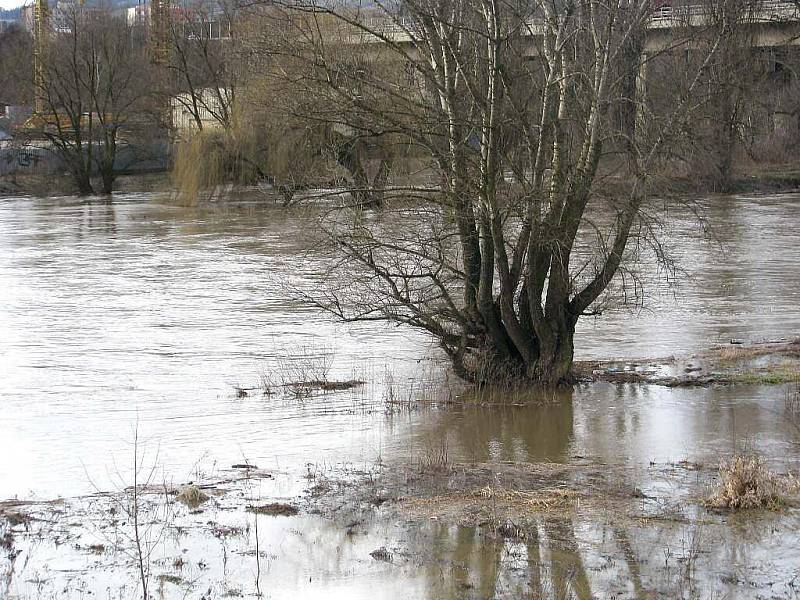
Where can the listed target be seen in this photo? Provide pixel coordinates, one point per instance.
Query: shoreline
(768, 178)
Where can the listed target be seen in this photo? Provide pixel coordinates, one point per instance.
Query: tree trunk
(555, 367)
(108, 178)
(83, 182)
(492, 362)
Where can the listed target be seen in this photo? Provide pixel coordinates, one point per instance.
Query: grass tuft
(745, 483)
(192, 496)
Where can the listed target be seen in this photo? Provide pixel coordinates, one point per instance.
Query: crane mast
(41, 27)
(160, 31)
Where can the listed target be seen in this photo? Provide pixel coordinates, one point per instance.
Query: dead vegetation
(544, 499)
(7, 540)
(274, 509)
(471, 494)
(496, 503)
(746, 482)
(741, 352)
(436, 458)
(299, 374)
(16, 518)
(381, 554)
(192, 496)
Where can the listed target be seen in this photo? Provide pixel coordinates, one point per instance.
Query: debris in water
(510, 530)
(381, 554)
(192, 496)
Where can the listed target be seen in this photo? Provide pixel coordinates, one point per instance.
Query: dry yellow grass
(746, 482)
(545, 499)
(192, 496)
(499, 501)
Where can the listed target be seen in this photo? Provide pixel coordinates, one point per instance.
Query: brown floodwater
(136, 315)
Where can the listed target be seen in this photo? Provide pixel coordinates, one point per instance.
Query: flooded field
(136, 316)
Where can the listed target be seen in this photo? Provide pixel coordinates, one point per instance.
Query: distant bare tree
(288, 90)
(514, 105)
(733, 81)
(94, 92)
(204, 74)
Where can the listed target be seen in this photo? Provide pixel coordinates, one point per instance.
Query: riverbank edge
(762, 179)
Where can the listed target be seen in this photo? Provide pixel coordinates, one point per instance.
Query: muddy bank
(766, 362)
(492, 494)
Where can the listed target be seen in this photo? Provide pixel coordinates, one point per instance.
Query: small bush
(192, 496)
(746, 482)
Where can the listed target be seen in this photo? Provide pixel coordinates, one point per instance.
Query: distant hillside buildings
(207, 19)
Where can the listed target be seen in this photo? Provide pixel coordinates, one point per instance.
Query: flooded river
(135, 315)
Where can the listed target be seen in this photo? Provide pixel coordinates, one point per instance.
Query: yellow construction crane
(41, 27)
(41, 43)
(160, 23)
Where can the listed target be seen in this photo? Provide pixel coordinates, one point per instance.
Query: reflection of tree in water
(98, 216)
(472, 563)
(523, 432)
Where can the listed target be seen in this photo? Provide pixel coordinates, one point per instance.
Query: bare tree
(94, 91)
(204, 76)
(733, 80)
(514, 105)
(288, 91)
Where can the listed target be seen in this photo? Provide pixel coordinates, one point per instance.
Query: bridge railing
(767, 11)
(664, 17)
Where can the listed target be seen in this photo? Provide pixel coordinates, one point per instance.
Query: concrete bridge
(770, 24)
(773, 23)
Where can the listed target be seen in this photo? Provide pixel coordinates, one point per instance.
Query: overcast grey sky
(11, 3)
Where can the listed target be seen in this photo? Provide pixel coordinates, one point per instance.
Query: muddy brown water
(138, 315)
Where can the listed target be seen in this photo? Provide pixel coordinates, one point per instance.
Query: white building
(210, 108)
